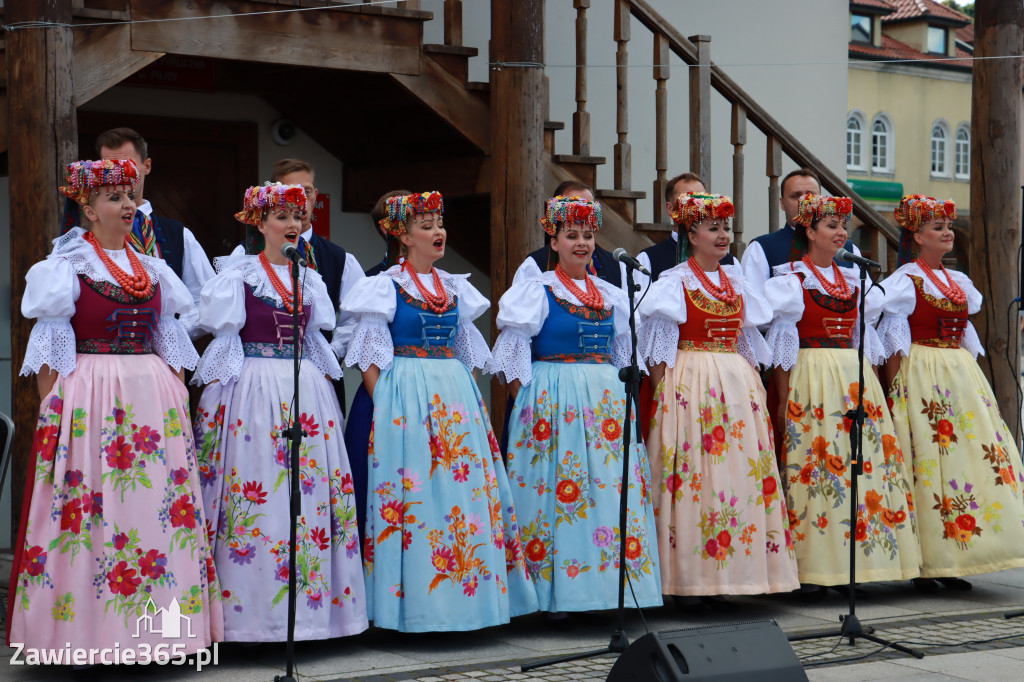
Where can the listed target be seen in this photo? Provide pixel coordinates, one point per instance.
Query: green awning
(877, 190)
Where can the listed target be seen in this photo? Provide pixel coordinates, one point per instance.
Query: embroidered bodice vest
(936, 322)
(711, 325)
(269, 331)
(573, 333)
(419, 332)
(827, 322)
(109, 321)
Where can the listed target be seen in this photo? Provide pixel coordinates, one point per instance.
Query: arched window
(940, 165)
(854, 141)
(963, 152)
(881, 144)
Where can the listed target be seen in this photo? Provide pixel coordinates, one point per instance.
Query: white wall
(758, 40)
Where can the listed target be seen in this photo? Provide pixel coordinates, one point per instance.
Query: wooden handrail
(757, 115)
(581, 117)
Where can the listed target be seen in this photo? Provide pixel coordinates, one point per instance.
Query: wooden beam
(104, 57)
(330, 39)
(41, 113)
(449, 99)
(517, 145)
(363, 184)
(995, 193)
(700, 109)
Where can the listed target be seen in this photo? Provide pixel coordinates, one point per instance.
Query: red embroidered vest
(936, 322)
(711, 325)
(109, 321)
(827, 322)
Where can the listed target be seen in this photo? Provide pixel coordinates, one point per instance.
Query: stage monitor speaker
(720, 653)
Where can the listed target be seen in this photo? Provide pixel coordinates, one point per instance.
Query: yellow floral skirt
(816, 451)
(967, 470)
(721, 519)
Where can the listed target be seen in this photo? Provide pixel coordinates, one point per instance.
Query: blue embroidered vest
(419, 332)
(573, 333)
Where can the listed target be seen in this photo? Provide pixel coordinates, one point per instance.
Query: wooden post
(581, 117)
(700, 109)
(453, 22)
(738, 137)
(995, 192)
(661, 74)
(622, 151)
(773, 170)
(44, 137)
(517, 146)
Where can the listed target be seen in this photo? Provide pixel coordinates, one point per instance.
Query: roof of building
(894, 49)
(917, 10)
(873, 6)
(966, 34)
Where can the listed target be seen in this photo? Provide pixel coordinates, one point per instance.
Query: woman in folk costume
(564, 332)
(112, 523)
(814, 338)
(442, 548)
(722, 522)
(244, 452)
(967, 470)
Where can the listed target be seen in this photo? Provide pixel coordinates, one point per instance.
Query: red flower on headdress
(432, 201)
(949, 208)
(844, 204)
(295, 195)
(724, 210)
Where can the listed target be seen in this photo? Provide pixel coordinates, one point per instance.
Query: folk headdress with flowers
(398, 210)
(818, 206)
(84, 177)
(691, 208)
(914, 211)
(260, 199)
(563, 210)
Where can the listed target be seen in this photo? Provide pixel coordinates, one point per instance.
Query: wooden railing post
(622, 151)
(453, 22)
(773, 170)
(661, 73)
(700, 109)
(581, 118)
(738, 137)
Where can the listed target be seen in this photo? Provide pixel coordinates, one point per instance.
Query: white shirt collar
(308, 234)
(146, 208)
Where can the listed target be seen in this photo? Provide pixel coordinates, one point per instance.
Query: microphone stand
(630, 376)
(851, 627)
(294, 433)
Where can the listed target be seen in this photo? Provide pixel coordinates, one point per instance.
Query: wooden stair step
(656, 231)
(549, 135)
(619, 194)
(587, 160)
(583, 167)
(478, 86)
(554, 125)
(454, 58)
(622, 201)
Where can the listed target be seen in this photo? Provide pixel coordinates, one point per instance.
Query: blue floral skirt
(565, 465)
(442, 549)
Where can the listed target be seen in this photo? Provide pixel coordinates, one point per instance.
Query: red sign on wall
(321, 218)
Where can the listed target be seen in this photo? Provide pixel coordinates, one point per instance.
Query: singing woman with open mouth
(244, 452)
(442, 548)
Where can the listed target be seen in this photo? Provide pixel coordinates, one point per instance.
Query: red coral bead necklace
(436, 300)
(138, 284)
(287, 298)
(839, 289)
(953, 291)
(726, 292)
(590, 298)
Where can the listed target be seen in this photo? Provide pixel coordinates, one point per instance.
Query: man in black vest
(772, 249)
(601, 263)
(156, 235)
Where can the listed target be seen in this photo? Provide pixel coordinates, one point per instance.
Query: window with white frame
(962, 161)
(881, 144)
(854, 141)
(940, 136)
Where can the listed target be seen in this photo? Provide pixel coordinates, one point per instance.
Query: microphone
(292, 253)
(843, 254)
(620, 255)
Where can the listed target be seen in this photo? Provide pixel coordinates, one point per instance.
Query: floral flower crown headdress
(568, 210)
(916, 209)
(398, 210)
(84, 177)
(694, 207)
(817, 206)
(262, 198)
